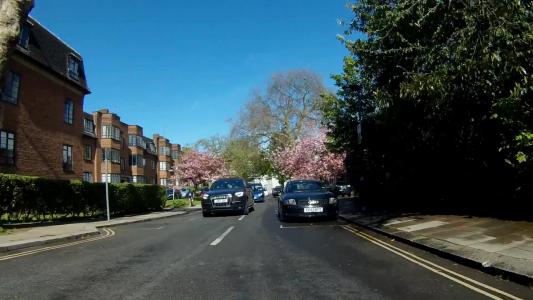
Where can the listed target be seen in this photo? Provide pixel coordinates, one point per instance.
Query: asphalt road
(190, 256)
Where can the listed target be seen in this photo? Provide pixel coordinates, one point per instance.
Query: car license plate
(220, 200)
(313, 209)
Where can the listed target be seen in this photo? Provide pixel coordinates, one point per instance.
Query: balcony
(89, 132)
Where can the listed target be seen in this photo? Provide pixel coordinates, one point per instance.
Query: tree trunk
(12, 15)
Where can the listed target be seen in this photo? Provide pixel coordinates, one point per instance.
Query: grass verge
(181, 203)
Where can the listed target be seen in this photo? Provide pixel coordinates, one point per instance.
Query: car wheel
(206, 214)
(281, 215)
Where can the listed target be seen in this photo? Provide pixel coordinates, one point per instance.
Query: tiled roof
(51, 52)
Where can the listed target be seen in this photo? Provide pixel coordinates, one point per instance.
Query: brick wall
(38, 122)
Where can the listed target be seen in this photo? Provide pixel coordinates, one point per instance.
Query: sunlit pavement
(251, 257)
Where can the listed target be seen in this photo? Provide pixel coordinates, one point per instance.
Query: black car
(227, 195)
(276, 191)
(171, 194)
(306, 198)
(344, 189)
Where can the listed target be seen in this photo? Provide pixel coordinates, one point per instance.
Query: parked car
(344, 189)
(227, 195)
(258, 192)
(306, 198)
(276, 191)
(171, 194)
(184, 192)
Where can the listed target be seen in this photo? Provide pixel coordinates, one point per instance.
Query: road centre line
(433, 267)
(108, 233)
(241, 217)
(221, 237)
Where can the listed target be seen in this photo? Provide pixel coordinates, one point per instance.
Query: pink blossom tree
(199, 167)
(309, 158)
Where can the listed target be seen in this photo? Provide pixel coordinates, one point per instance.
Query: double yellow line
(470, 283)
(107, 234)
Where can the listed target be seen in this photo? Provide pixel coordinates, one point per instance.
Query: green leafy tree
(435, 100)
(246, 159)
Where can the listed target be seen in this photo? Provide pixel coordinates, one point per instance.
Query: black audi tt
(306, 198)
(227, 195)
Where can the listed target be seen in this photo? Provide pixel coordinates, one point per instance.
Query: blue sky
(183, 69)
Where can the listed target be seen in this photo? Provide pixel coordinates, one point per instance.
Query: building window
(88, 126)
(88, 152)
(7, 147)
(111, 178)
(10, 91)
(111, 154)
(163, 166)
(164, 150)
(151, 147)
(73, 67)
(175, 154)
(136, 160)
(153, 164)
(138, 179)
(69, 111)
(111, 132)
(67, 157)
(24, 37)
(136, 141)
(88, 176)
(163, 181)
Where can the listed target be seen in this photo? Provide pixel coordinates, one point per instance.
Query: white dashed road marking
(242, 217)
(221, 237)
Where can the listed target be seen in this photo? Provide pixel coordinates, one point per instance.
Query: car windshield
(305, 186)
(227, 184)
(256, 187)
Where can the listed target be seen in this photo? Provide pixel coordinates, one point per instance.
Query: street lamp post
(107, 179)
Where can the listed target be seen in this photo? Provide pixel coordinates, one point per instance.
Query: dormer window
(24, 37)
(73, 67)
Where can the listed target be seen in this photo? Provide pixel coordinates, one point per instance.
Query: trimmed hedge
(24, 198)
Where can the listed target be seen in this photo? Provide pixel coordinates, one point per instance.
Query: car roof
(230, 178)
(302, 180)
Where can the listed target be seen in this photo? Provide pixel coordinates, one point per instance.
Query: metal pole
(107, 179)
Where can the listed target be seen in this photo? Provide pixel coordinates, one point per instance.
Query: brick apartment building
(41, 107)
(45, 132)
(166, 162)
(175, 153)
(119, 152)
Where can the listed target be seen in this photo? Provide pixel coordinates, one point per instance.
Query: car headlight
(205, 196)
(239, 194)
(332, 200)
(289, 201)
(260, 194)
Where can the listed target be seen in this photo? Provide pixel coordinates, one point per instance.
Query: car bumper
(298, 211)
(260, 199)
(233, 207)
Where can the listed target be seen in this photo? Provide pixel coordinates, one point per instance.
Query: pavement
(243, 257)
(499, 246)
(41, 235)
